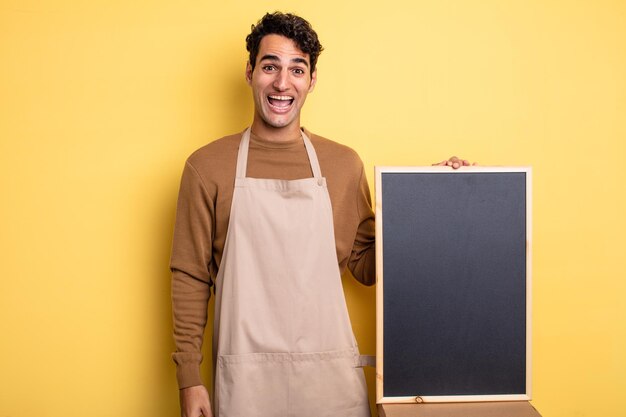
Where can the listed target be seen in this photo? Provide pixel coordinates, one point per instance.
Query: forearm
(362, 264)
(190, 297)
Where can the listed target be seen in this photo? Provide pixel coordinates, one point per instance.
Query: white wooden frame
(380, 399)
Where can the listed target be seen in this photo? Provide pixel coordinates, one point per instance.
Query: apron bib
(283, 344)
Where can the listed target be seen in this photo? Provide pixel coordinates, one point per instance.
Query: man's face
(280, 82)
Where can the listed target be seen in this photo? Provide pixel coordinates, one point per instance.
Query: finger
(456, 165)
(466, 163)
(206, 412)
(442, 163)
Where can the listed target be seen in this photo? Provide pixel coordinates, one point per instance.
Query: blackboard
(453, 319)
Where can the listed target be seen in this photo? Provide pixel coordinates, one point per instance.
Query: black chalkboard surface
(453, 284)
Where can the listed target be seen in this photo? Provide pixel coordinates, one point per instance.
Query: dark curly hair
(289, 25)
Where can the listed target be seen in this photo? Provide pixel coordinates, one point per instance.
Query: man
(271, 218)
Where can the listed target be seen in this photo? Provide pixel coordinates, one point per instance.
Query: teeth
(285, 98)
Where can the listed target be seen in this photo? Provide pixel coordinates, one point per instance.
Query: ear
(313, 80)
(248, 73)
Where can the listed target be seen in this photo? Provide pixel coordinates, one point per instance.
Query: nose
(281, 82)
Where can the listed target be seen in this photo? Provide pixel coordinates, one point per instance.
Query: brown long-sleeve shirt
(203, 212)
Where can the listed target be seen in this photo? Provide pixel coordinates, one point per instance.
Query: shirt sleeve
(191, 281)
(362, 262)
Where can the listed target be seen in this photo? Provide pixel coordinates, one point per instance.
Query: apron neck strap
(242, 155)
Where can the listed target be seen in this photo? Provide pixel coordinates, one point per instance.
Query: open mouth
(280, 102)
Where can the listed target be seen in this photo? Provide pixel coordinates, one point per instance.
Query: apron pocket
(328, 384)
(252, 385)
(316, 384)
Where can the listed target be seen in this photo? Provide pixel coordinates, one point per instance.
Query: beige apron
(283, 345)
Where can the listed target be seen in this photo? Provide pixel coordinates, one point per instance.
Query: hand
(194, 402)
(455, 163)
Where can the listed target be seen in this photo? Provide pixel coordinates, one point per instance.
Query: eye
(298, 71)
(269, 68)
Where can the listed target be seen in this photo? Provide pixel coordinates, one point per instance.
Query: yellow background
(102, 101)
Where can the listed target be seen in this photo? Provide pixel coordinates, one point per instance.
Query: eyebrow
(274, 58)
